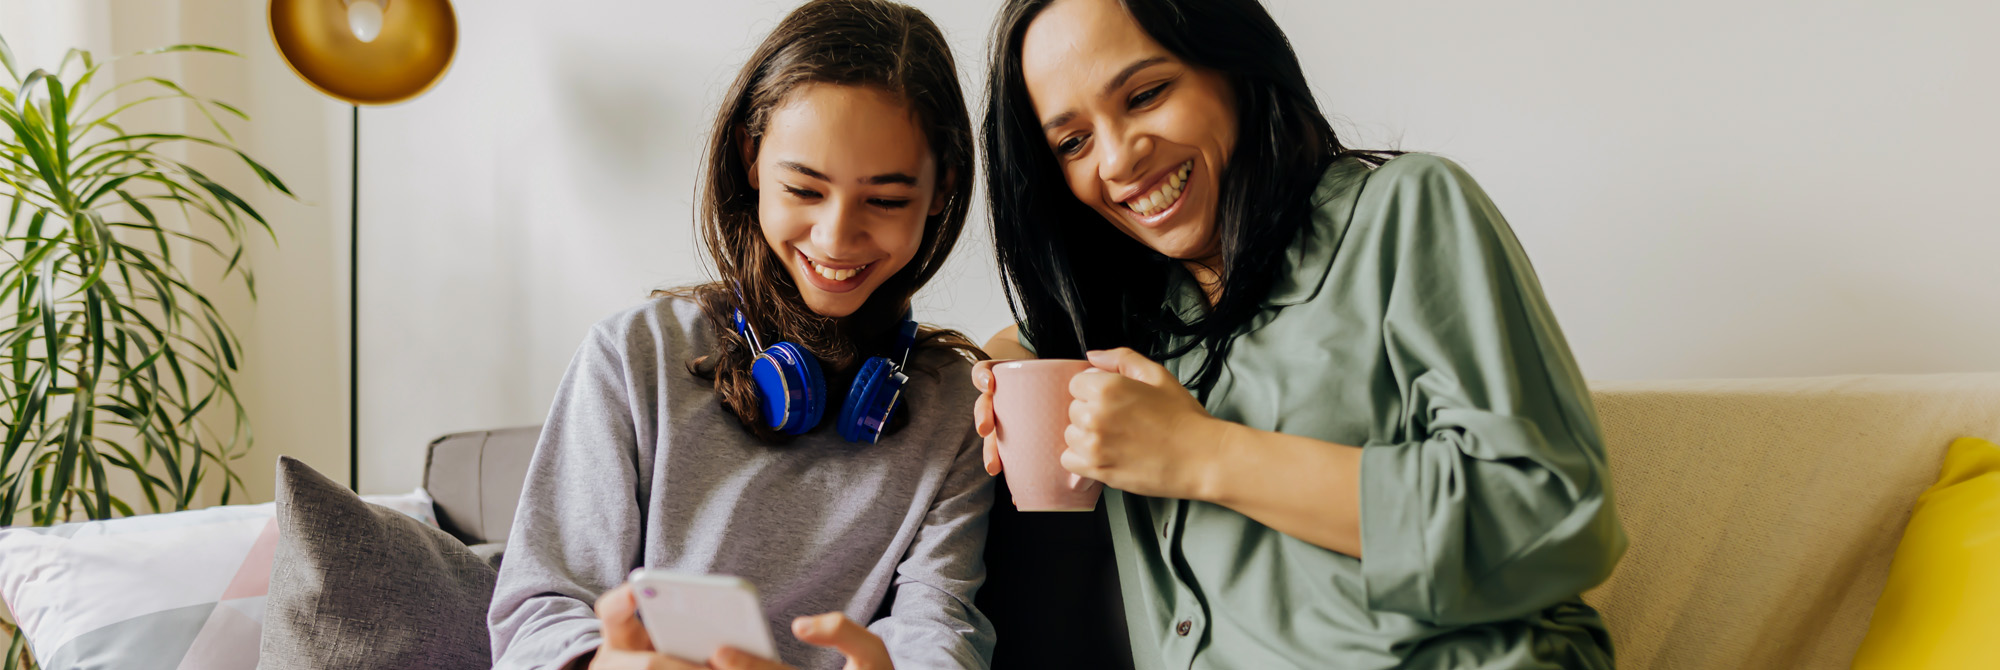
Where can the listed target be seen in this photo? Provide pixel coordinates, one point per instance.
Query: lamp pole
(363, 52)
(354, 301)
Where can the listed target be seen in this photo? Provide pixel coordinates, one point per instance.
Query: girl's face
(844, 179)
(1141, 136)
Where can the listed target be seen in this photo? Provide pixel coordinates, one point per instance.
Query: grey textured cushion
(355, 586)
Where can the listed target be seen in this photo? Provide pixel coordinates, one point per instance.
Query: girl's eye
(1069, 146)
(885, 203)
(806, 194)
(1147, 96)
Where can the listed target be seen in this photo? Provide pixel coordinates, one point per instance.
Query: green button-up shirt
(1409, 323)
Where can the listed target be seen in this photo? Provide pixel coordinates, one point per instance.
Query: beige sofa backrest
(1763, 513)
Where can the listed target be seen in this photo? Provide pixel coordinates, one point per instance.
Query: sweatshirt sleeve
(932, 622)
(1496, 502)
(577, 531)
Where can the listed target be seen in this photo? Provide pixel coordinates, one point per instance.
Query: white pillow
(183, 589)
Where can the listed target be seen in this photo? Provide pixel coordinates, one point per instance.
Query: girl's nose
(840, 234)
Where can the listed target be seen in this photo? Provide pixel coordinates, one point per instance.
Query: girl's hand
(1135, 428)
(626, 646)
(864, 651)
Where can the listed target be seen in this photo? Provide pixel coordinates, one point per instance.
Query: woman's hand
(1003, 346)
(627, 647)
(1135, 428)
(982, 415)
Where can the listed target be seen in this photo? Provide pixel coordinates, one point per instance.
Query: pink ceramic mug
(1030, 411)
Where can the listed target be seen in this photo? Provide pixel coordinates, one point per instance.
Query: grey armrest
(475, 480)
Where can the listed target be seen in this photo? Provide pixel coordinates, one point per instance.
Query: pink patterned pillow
(181, 590)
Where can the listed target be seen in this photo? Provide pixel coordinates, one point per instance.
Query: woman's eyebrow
(1126, 74)
(1110, 87)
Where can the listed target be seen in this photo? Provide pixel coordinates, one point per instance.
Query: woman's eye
(1147, 96)
(1069, 146)
(806, 194)
(885, 203)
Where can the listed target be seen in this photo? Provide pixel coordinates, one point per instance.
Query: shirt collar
(1307, 261)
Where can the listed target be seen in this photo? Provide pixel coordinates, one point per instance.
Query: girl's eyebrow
(877, 180)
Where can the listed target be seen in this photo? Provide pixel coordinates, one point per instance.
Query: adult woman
(835, 186)
(1389, 458)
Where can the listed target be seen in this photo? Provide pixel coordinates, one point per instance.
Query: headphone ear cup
(774, 391)
(789, 388)
(814, 384)
(876, 390)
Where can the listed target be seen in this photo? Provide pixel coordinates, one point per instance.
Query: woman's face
(844, 179)
(1141, 136)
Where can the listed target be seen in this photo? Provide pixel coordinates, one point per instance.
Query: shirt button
(1164, 527)
(1185, 626)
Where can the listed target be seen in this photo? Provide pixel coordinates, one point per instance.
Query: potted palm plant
(114, 366)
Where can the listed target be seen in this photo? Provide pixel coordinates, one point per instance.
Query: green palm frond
(113, 366)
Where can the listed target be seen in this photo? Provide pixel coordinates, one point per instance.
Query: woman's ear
(749, 150)
(942, 196)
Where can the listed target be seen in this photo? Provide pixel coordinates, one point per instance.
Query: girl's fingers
(618, 614)
(731, 658)
(864, 651)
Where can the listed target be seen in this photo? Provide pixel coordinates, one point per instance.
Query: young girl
(837, 182)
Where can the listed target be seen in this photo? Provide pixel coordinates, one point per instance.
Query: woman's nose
(1122, 155)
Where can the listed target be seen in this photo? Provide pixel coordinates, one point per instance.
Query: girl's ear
(943, 195)
(749, 157)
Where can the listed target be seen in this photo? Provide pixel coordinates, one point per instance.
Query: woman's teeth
(833, 274)
(1167, 194)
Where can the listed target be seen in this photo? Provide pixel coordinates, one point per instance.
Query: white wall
(1708, 189)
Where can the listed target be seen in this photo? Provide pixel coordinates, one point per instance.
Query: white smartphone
(689, 616)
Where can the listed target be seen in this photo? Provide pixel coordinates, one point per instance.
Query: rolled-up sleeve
(1495, 502)
(932, 622)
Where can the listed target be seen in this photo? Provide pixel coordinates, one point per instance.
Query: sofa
(1763, 513)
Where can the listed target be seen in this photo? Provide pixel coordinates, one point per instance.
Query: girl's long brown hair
(875, 43)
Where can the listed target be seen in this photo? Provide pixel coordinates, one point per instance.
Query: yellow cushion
(1941, 607)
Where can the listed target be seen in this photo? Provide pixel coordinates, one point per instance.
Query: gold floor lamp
(363, 52)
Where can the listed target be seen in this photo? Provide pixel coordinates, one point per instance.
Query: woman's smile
(1156, 203)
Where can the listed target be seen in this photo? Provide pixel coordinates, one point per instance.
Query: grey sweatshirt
(639, 465)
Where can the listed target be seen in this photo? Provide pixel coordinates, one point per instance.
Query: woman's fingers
(618, 614)
(983, 420)
(864, 651)
(991, 452)
(982, 376)
(982, 415)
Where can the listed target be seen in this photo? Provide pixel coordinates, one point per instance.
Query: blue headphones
(792, 391)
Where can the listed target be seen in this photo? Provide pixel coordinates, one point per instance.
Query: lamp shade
(410, 47)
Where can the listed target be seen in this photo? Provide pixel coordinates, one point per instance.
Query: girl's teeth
(836, 275)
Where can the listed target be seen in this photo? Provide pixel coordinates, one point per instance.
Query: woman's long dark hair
(1077, 283)
(874, 43)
